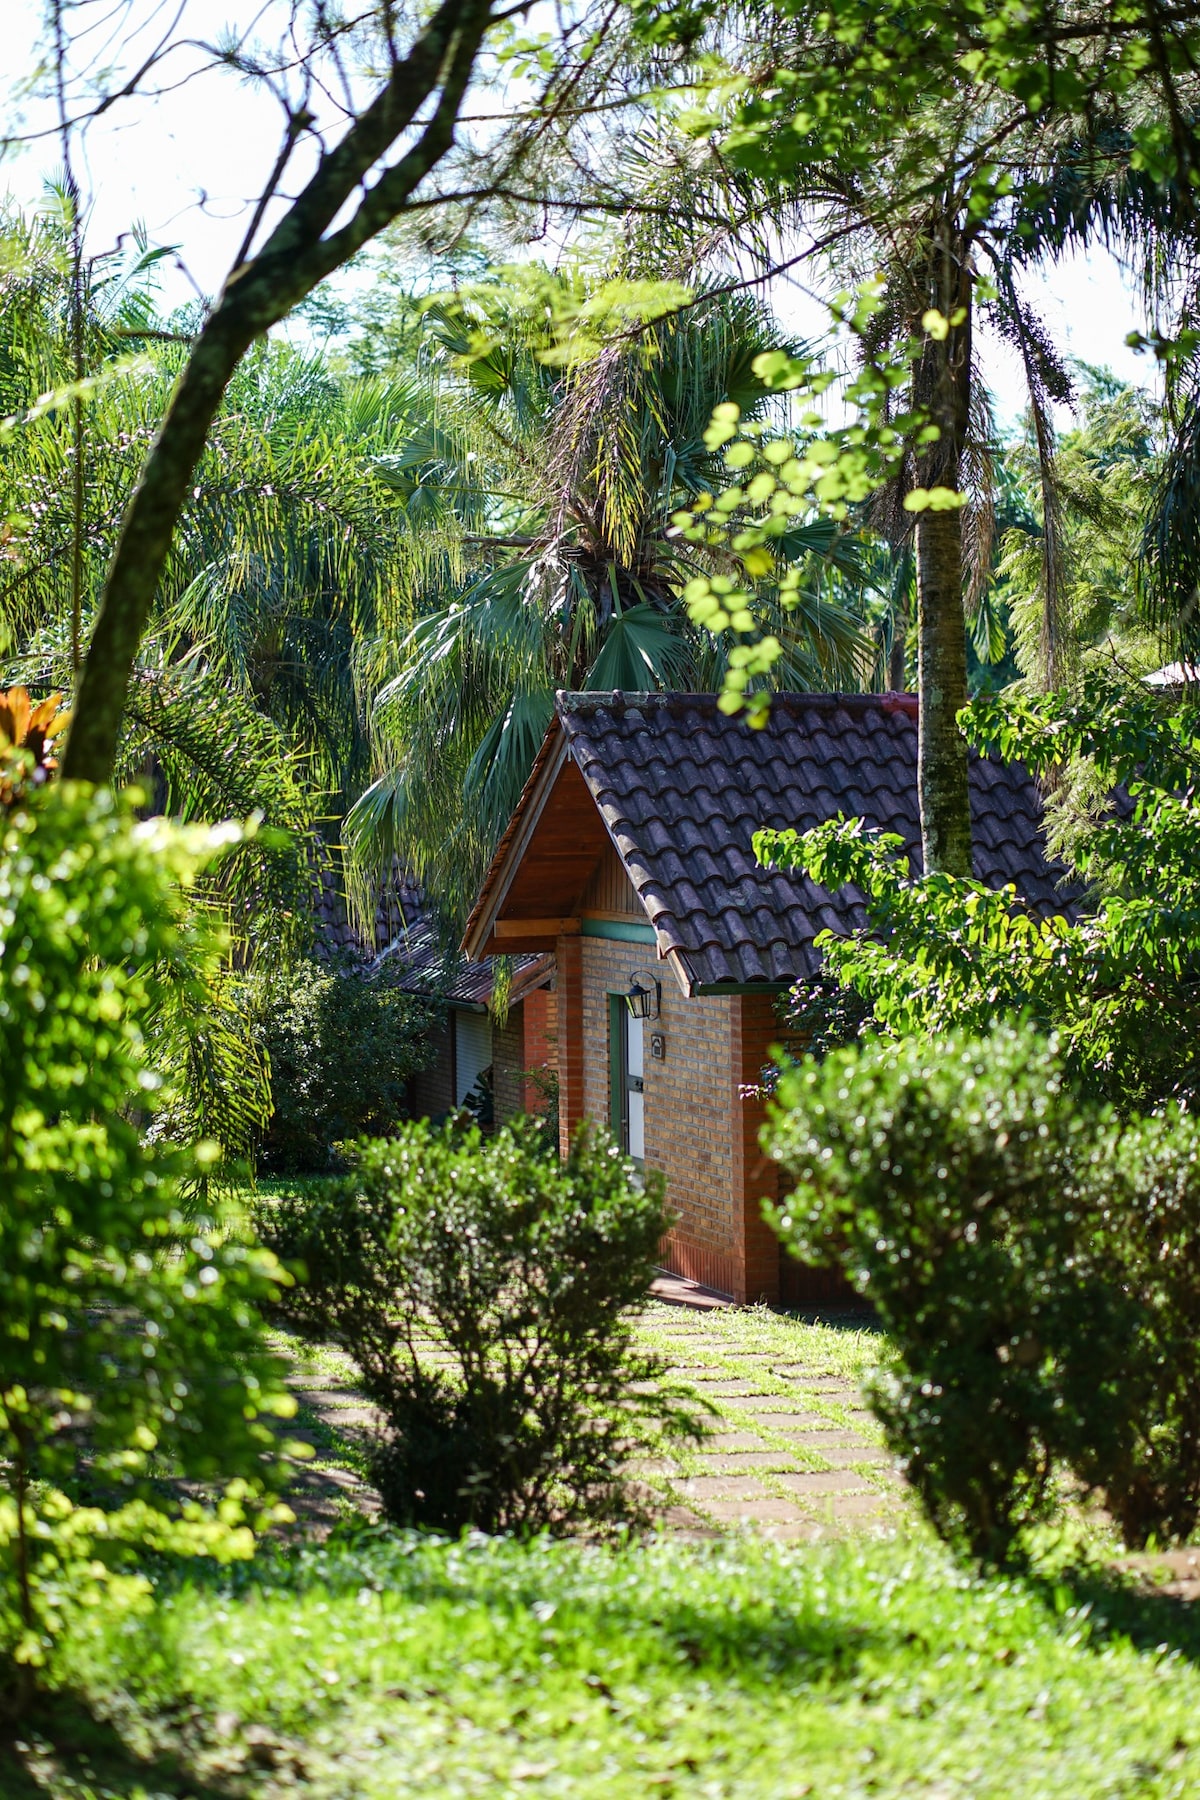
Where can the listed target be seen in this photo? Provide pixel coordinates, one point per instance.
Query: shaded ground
(793, 1449)
(867, 1666)
(707, 1661)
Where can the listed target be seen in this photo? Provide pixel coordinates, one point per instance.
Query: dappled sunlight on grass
(740, 1668)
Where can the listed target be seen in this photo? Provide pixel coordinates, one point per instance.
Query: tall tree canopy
(540, 499)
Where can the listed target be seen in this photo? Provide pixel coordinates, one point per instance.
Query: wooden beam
(535, 928)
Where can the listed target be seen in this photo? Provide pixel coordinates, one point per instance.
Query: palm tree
(1078, 190)
(549, 561)
(1107, 477)
(290, 560)
(246, 695)
(911, 208)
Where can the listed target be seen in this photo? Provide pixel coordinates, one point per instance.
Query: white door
(635, 1098)
(472, 1051)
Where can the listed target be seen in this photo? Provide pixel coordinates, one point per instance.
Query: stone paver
(736, 1462)
(791, 1451)
(756, 1511)
(845, 1456)
(722, 1442)
(822, 1481)
(767, 1411)
(724, 1486)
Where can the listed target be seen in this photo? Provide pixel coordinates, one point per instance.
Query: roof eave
(511, 848)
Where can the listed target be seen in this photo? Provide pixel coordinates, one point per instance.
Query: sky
(188, 163)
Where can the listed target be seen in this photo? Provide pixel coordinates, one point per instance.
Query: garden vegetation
(269, 612)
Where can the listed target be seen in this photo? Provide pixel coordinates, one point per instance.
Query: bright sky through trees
(188, 165)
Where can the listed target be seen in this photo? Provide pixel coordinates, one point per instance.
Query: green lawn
(395, 1667)
(861, 1664)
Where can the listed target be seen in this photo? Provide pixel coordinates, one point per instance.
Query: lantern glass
(638, 1001)
(643, 997)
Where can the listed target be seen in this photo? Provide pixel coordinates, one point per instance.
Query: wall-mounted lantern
(644, 995)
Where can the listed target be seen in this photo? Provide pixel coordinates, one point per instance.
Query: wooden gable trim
(513, 844)
(503, 929)
(526, 827)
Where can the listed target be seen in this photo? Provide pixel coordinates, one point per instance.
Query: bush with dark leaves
(1036, 1261)
(1147, 1464)
(344, 1045)
(485, 1292)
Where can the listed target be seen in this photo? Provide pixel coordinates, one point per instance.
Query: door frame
(618, 1073)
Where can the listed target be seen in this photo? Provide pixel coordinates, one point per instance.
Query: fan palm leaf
(544, 497)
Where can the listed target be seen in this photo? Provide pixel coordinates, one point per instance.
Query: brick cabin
(468, 1042)
(471, 1042)
(628, 861)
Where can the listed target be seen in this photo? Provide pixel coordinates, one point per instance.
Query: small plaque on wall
(658, 1046)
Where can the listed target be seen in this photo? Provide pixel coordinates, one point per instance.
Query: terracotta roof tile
(427, 968)
(405, 931)
(682, 789)
(401, 904)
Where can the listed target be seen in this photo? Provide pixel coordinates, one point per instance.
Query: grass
(394, 1665)
(858, 1666)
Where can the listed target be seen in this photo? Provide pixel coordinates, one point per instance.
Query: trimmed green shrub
(951, 1182)
(484, 1291)
(1148, 1200)
(344, 1045)
(130, 1340)
(1036, 1262)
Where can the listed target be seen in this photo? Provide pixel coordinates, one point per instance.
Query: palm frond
(1169, 554)
(643, 650)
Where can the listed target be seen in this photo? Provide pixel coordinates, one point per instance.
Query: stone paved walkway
(793, 1450)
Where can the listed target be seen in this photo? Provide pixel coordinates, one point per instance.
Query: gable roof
(405, 933)
(424, 967)
(680, 788)
(399, 902)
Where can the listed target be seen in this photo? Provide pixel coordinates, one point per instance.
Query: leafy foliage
(823, 1014)
(244, 699)
(484, 1291)
(1101, 491)
(130, 1334)
(1151, 1170)
(1119, 982)
(539, 500)
(1034, 1262)
(851, 90)
(343, 1044)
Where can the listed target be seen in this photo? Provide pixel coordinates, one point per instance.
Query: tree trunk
(145, 540)
(942, 686)
(300, 252)
(898, 653)
(942, 387)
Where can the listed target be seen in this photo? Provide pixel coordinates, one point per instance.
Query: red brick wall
(770, 1270)
(755, 1029)
(541, 1041)
(526, 1042)
(569, 1000)
(693, 1115)
(508, 1064)
(699, 1130)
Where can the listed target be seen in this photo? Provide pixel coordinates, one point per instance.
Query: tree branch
(257, 295)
